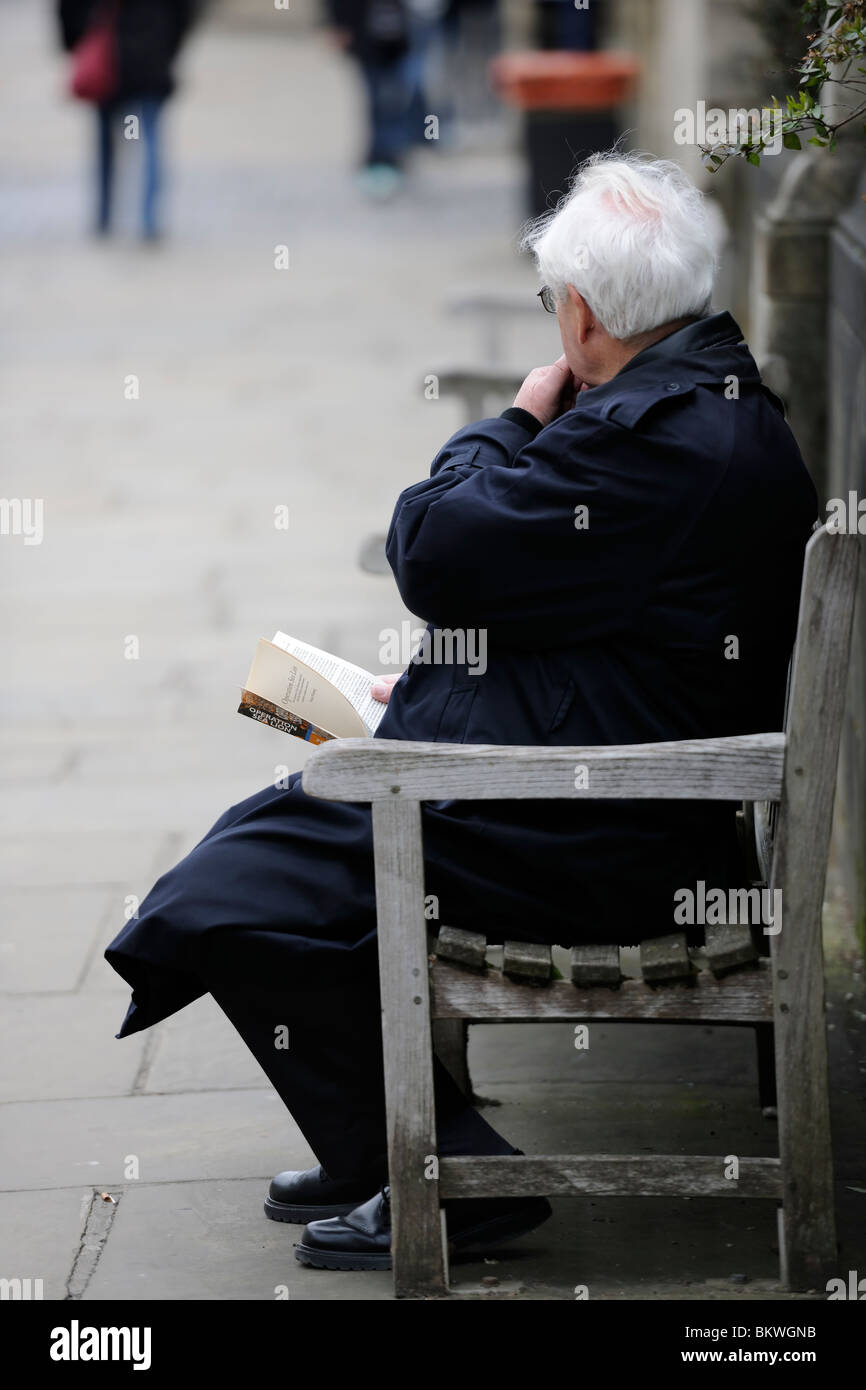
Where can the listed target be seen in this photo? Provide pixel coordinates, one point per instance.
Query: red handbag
(94, 75)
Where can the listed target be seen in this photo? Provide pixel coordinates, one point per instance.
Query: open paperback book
(309, 693)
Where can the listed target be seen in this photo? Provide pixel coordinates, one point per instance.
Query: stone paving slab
(199, 1050)
(47, 937)
(39, 1235)
(78, 857)
(176, 1138)
(211, 1240)
(63, 1045)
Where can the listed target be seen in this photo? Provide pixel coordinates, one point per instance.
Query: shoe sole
(300, 1216)
(484, 1235)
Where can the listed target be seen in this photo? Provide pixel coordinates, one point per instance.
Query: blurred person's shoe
(362, 1239)
(313, 1196)
(380, 181)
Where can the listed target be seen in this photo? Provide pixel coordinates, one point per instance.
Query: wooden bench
(794, 772)
(492, 309)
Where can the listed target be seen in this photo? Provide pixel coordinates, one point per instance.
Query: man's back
(634, 573)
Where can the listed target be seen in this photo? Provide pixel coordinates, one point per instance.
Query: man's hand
(549, 391)
(382, 687)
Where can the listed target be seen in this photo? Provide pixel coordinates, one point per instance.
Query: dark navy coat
(618, 630)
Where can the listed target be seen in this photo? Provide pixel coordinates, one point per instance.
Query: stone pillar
(792, 284)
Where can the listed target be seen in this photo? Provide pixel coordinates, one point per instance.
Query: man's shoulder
(671, 385)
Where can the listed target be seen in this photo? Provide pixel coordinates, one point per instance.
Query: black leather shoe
(362, 1239)
(313, 1196)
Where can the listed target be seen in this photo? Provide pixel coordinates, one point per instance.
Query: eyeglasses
(548, 299)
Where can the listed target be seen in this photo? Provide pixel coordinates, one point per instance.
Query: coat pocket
(455, 715)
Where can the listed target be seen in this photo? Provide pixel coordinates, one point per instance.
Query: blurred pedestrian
(123, 53)
(564, 25)
(390, 40)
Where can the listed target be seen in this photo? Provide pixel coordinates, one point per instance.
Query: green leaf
(791, 141)
(753, 158)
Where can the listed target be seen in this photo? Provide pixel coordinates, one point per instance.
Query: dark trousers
(322, 1051)
(109, 117)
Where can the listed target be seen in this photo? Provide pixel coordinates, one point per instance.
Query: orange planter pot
(565, 81)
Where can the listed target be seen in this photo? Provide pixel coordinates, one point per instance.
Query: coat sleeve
(542, 541)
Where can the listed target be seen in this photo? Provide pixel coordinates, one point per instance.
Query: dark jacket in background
(149, 35)
(378, 29)
(699, 510)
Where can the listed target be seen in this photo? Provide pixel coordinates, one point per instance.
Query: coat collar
(716, 330)
(709, 351)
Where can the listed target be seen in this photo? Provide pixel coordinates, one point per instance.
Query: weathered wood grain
(725, 769)
(419, 1267)
(467, 948)
(527, 960)
(729, 946)
(609, 1175)
(816, 701)
(596, 965)
(665, 958)
(740, 997)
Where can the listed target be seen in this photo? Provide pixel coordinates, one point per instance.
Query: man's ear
(583, 314)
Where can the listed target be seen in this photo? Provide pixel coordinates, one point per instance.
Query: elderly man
(608, 534)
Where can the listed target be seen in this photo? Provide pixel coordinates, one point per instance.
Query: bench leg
(807, 1244)
(814, 720)
(413, 1166)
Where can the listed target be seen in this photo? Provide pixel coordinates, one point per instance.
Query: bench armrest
(743, 768)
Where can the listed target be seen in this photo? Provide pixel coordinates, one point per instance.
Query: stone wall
(846, 471)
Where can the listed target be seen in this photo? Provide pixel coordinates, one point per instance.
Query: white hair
(632, 237)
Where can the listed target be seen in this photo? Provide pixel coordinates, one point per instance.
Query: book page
(301, 693)
(351, 681)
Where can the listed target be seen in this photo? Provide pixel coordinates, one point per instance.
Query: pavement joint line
(32, 885)
(39, 993)
(148, 1052)
(167, 851)
(140, 1182)
(128, 1095)
(486, 1101)
(100, 924)
(97, 1228)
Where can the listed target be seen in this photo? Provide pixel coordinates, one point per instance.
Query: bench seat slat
(729, 946)
(741, 997)
(527, 960)
(596, 965)
(665, 958)
(468, 948)
(608, 1175)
